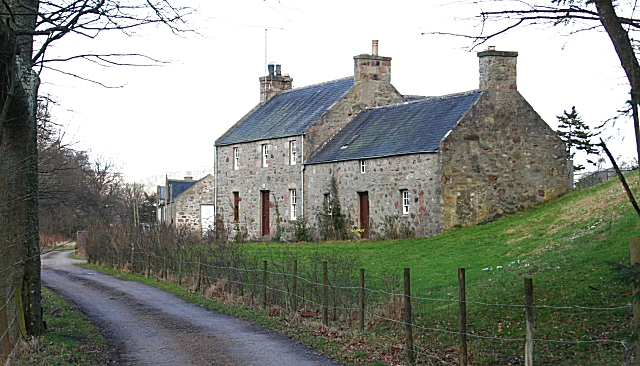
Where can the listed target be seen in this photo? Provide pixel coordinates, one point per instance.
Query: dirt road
(148, 326)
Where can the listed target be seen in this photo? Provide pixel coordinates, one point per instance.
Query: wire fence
(330, 293)
(12, 290)
(12, 321)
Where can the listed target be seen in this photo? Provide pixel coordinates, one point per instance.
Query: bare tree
(617, 19)
(27, 29)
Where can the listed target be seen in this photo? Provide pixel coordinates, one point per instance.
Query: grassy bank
(566, 246)
(70, 338)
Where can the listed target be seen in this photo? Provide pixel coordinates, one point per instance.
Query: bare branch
(107, 61)
(82, 78)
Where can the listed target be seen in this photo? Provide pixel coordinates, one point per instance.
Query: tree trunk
(18, 155)
(624, 49)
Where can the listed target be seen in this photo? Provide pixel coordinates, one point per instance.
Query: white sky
(165, 119)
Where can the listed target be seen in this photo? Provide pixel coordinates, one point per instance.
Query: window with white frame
(293, 152)
(236, 158)
(405, 202)
(294, 204)
(327, 203)
(363, 166)
(265, 155)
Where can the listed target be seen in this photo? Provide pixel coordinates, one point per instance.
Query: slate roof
(411, 127)
(163, 192)
(178, 187)
(288, 113)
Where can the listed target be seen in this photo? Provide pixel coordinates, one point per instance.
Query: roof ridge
(425, 99)
(315, 85)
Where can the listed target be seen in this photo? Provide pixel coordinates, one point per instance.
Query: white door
(207, 218)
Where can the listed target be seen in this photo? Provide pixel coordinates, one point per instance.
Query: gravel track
(148, 326)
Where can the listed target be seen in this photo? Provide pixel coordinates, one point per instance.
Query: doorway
(364, 213)
(264, 220)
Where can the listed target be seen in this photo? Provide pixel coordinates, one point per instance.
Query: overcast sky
(165, 120)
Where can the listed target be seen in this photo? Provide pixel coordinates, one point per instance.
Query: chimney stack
(498, 69)
(372, 67)
(274, 82)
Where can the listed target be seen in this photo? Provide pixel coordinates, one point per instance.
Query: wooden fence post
(528, 307)
(199, 283)
(407, 315)
(180, 268)
(4, 330)
(295, 285)
(325, 297)
(361, 299)
(148, 264)
(264, 284)
(463, 316)
(22, 324)
(164, 267)
(229, 277)
(634, 251)
(133, 257)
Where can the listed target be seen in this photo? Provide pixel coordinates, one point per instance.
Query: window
(294, 204)
(236, 158)
(327, 203)
(265, 155)
(293, 152)
(236, 206)
(363, 166)
(405, 202)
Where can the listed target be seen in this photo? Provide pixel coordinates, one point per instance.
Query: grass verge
(70, 338)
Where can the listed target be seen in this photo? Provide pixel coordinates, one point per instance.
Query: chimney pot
(491, 48)
(372, 67)
(274, 83)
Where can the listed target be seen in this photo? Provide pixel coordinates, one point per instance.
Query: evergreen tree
(577, 135)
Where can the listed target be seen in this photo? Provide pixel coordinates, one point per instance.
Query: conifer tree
(577, 135)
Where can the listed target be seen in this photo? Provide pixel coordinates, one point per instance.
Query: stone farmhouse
(432, 163)
(188, 203)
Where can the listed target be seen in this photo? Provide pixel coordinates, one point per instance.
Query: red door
(264, 222)
(364, 213)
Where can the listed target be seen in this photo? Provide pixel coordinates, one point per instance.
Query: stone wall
(362, 95)
(185, 209)
(383, 180)
(500, 157)
(251, 178)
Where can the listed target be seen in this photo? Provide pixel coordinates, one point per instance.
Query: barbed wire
(427, 355)
(232, 277)
(413, 297)
(13, 291)
(13, 320)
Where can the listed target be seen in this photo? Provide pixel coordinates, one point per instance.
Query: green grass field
(566, 247)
